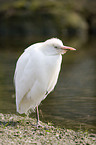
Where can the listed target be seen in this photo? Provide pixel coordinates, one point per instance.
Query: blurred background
(24, 22)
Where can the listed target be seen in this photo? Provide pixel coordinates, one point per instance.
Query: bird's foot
(39, 126)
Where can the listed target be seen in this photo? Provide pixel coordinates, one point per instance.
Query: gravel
(17, 130)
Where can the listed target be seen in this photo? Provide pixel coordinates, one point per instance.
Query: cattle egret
(36, 73)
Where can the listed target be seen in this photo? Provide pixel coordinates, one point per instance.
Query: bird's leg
(37, 115)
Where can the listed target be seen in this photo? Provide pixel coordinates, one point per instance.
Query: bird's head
(55, 46)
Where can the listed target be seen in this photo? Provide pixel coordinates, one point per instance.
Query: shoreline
(19, 130)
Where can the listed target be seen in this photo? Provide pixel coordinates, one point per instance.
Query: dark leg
(37, 115)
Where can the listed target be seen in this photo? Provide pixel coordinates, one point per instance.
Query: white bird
(36, 73)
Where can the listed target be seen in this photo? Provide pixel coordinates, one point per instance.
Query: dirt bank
(19, 130)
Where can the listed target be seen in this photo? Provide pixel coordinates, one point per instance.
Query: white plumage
(36, 73)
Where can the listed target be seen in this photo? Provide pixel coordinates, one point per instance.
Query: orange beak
(67, 48)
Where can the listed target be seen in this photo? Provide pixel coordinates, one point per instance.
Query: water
(73, 102)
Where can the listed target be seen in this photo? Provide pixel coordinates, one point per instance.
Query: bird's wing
(23, 59)
(26, 73)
